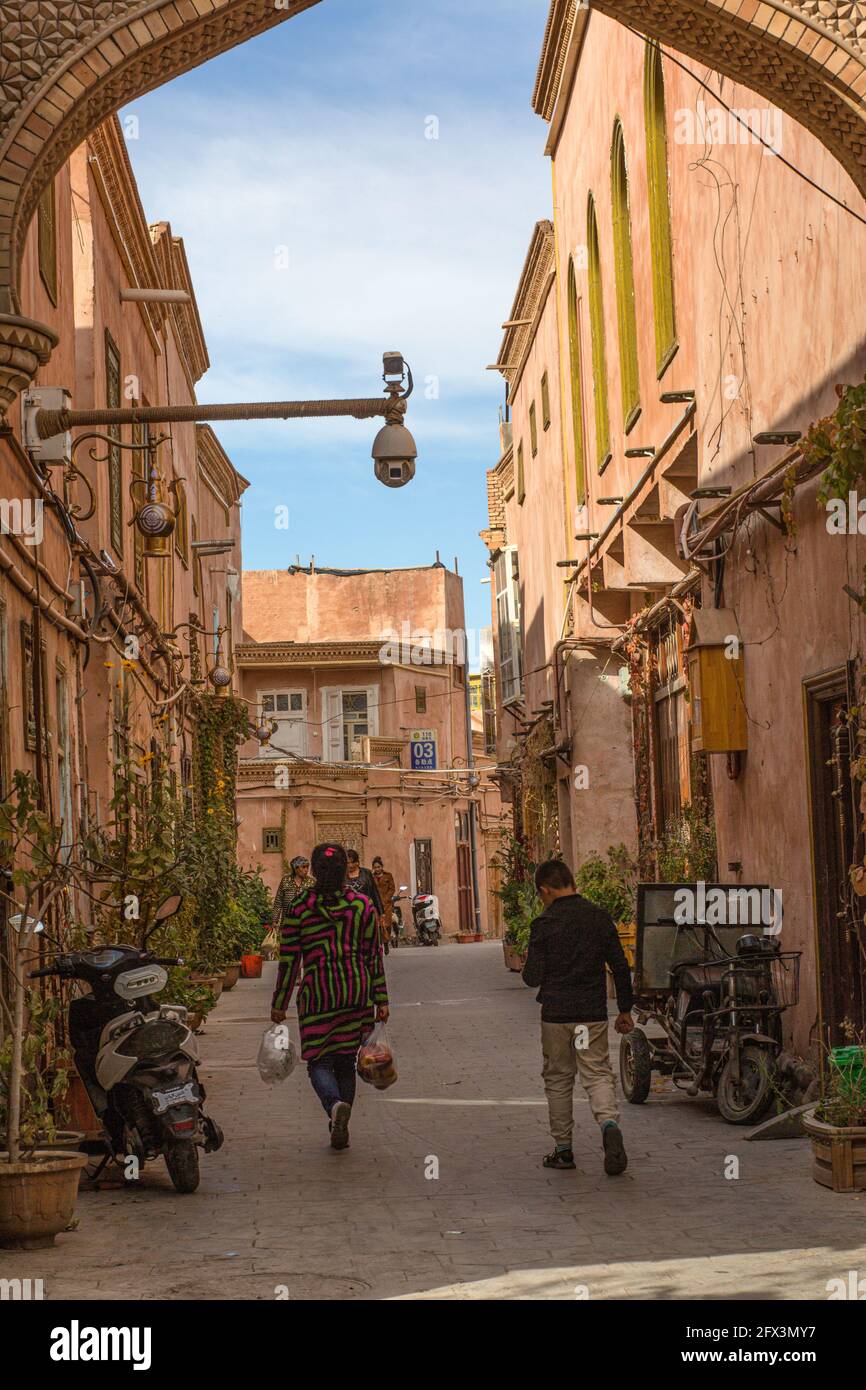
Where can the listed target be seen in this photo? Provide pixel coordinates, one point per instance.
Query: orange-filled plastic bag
(376, 1060)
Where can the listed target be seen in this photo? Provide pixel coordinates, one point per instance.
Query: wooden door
(424, 866)
(835, 796)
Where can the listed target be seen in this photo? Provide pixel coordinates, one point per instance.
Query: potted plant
(611, 883)
(38, 1185)
(837, 1125)
(520, 902)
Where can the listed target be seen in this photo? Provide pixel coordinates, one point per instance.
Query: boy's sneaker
(560, 1158)
(615, 1157)
(340, 1116)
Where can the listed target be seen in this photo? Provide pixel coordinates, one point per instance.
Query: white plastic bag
(277, 1056)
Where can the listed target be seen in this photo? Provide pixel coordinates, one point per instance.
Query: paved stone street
(277, 1209)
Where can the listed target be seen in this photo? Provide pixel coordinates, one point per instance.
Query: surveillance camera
(395, 472)
(394, 454)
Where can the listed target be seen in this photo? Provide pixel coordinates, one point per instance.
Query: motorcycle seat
(697, 976)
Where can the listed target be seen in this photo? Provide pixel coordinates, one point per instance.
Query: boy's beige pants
(570, 1050)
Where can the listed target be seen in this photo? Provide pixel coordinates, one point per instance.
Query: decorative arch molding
(808, 57)
(64, 67)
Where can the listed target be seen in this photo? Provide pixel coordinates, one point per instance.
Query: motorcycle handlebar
(167, 960)
(46, 970)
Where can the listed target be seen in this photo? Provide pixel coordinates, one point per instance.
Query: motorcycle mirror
(404, 888)
(168, 908)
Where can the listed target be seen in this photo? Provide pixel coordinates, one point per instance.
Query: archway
(63, 68)
(808, 57)
(66, 66)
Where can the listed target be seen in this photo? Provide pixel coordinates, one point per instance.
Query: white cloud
(391, 240)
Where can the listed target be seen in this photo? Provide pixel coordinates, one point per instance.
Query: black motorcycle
(137, 1058)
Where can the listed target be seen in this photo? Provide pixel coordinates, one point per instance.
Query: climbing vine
(837, 445)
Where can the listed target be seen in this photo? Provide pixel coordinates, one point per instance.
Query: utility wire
(754, 134)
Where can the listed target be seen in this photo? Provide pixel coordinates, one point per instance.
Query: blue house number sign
(423, 745)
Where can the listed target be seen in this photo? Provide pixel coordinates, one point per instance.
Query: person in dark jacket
(569, 946)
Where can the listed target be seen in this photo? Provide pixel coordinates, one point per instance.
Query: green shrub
(610, 883)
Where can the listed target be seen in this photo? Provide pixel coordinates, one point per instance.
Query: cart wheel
(746, 1103)
(635, 1066)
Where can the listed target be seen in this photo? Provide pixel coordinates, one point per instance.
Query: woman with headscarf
(331, 932)
(386, 888)
(297, 881)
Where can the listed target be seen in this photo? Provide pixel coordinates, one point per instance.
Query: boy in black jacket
(569, 946)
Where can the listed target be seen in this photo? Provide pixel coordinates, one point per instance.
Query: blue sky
(322, 227)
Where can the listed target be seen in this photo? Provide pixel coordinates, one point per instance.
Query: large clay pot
(213, 982)
(232, 973)
(37, 1197)
(251, 967)
(64, 1141)
(839, 1154)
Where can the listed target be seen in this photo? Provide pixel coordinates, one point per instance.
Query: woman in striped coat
(331, 932)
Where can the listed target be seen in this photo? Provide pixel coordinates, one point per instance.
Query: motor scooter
(425, 916)
(137, 1058)
(428, 924)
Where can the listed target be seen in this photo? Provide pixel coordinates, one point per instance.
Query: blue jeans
(334, 1079)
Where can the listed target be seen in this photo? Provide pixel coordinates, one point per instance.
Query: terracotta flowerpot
(233, 973)
(251, 967)
(479, 936)
(465, 938)
(839, 1154)
(213, 982)
(37, 1197)
(194, 1020)
(514, 959)
(64, 1141)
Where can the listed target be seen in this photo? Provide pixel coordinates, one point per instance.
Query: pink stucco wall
(769, 278)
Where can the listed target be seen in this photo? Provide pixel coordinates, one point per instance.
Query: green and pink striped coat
(343, 975)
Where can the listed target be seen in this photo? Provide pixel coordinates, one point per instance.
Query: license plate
(177, 1095)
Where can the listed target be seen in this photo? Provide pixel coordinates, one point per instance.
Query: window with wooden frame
(288, 710)
(659, 208)
(624, 276)
(671, 715)
(545, 402)
(64, 763)
(349, 715)
(140, 463)
(272, 839)
(46, 215)
(597, 334)
(196, 563)
(28, 685)
(4, 704)
(574, 366)
(420, 699)
(115, 457)
(521, 475)
(181, 530)
(533, 430)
